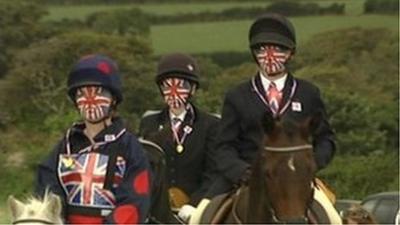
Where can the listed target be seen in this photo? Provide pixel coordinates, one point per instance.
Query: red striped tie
(274, 97)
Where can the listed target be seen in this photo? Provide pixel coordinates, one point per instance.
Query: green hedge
(381, 6)
(288, 8)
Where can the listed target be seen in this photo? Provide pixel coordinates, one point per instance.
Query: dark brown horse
(280, 189)
(160, 211)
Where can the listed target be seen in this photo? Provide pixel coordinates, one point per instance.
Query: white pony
(36, 211)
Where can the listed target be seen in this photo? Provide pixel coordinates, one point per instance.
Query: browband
(287, 149)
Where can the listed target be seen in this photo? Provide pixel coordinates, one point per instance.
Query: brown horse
(280, 189)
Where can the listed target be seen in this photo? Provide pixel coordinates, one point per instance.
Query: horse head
(36, 211)
(284, 171)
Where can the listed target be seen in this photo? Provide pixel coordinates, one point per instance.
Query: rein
(234, 206)
(287, 149)
(32, 221)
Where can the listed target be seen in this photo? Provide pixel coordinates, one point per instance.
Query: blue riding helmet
(95, 70)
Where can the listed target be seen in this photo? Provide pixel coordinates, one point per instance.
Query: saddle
(324, 187)
(177, 198)
(217, 209)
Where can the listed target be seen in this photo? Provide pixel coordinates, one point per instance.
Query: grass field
(232, 36)
(4, 214)
(353, 7)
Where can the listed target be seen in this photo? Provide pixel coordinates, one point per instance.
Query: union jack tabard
(83, 175)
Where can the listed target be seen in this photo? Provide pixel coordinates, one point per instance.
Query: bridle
(21, 221)
(287, 149)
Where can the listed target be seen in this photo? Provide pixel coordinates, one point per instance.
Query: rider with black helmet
(98, 168)
(184, 132)
(272, 42)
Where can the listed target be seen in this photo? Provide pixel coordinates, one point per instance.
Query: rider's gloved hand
(244, 179)
(185, 212)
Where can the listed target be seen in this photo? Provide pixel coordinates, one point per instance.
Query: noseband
(32, 221)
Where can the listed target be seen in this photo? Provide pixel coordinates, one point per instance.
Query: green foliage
(356, 123)
(81, 11)
(121, 22)
(37, 80)
(212, 99)
(355, 177)
(292, 8)
(361, 77)
(288, 8)
(19, 27)
(228, 59)
(19, 22)
(382, 6)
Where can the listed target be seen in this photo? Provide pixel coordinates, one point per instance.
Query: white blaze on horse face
(291, 164)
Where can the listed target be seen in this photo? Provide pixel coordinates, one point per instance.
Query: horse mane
(38, 204)
(272, 125)
(48, 208)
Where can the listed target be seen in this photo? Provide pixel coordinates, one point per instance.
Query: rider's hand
(185, 212)
(244, 179)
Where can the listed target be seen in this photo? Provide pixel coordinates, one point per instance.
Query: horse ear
(15, 206)
(268, 122)
(55, 204)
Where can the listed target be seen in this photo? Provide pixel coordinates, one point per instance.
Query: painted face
(175, 91)
(94, 103)
(272, 59)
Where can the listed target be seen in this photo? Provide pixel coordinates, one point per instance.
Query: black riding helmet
(274, 29)
(95, 70)
(178, 65)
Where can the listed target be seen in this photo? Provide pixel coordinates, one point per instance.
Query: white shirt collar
(280, 83)
(180, 116)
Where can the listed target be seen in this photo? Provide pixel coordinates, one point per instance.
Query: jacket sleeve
(46, 177)
(210, 163)
(133, 194)
(323, 135)
(227, 155)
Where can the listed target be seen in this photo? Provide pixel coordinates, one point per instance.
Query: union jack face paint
(272, 59)
(175, 91)
(94, 103)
